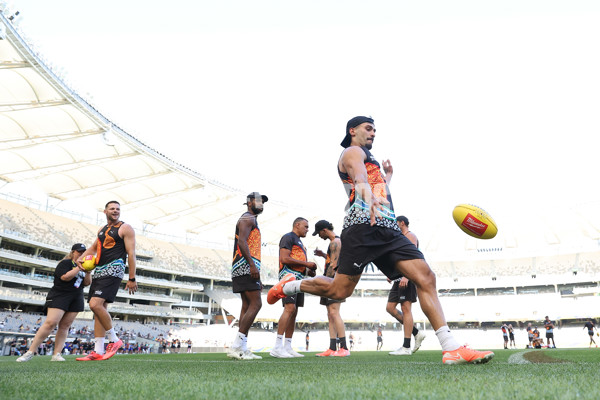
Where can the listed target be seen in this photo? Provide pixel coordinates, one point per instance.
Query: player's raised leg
(338, 288)
(418, 271)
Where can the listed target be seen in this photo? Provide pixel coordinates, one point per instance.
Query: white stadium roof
(52, 139)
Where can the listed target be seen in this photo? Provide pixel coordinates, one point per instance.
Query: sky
(493, 103)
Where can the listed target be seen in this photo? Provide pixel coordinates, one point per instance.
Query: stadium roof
(53, 139)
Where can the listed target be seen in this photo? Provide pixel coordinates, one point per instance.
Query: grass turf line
(364, 375)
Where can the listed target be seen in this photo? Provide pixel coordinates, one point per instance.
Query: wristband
(132, 279)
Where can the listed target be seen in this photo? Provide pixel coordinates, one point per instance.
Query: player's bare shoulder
(413, 238)
(335, 246)
(351, 155)
(126, 230)
(336, 241)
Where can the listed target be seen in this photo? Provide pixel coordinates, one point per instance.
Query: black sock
(332, 344)
(343, 343)
(406, 343)
(415, 331)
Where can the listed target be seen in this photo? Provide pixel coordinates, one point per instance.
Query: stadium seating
(169, 271)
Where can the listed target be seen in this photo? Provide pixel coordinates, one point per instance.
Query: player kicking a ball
(114, 244)
(370, 234)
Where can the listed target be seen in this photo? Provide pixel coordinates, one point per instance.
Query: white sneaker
(293, 353)
(279, 352)
(57, 357)
(25, 357)
(235, 352)
(402, 351)
(418, 340)
(248, 355)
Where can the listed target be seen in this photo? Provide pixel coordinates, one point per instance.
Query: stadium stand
(175, 281)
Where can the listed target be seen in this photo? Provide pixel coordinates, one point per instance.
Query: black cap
(78, 247)
(353, 123)
(322, 224)
(254, 195)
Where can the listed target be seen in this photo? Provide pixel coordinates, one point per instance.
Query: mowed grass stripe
(364, 375)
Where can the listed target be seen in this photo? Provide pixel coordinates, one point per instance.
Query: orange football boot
(341, 353)
(466, 355)
(276, 292)
(326, 353)
(93, 356)
(112, 349)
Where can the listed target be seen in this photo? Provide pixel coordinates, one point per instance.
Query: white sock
(245, 343)
(99, 346)
(288, 344)
(292, 287)
(239, 339)
(279, 341)
(446, 339)
(112, 336)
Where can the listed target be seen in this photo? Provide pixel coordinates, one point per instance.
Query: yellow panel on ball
(89, 263)
(474, 221)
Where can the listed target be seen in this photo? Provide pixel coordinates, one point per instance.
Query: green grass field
(551, 374)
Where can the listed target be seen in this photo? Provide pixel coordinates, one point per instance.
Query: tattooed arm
(334, 253)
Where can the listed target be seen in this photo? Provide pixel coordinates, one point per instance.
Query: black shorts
(66, 301)
(531, 338)
(400, 295)
(379, 339)
(550, 335)
(326, 302)
(591, 333)
(384, 247)
(105, 288)
(511, 336)
(505, 338)
(245, 283)
(297, 299)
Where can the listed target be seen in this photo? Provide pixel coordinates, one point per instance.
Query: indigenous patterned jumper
(357, 211)
(239, 266)
(111, 254)
(292, 242)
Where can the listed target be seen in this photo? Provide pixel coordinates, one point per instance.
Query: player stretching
(336, 325)
(292, 261)
(245, 273)
(404, 292)
(114, 244)
(590, 327)
(370, 234)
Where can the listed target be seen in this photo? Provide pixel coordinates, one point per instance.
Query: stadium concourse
(52, 196)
